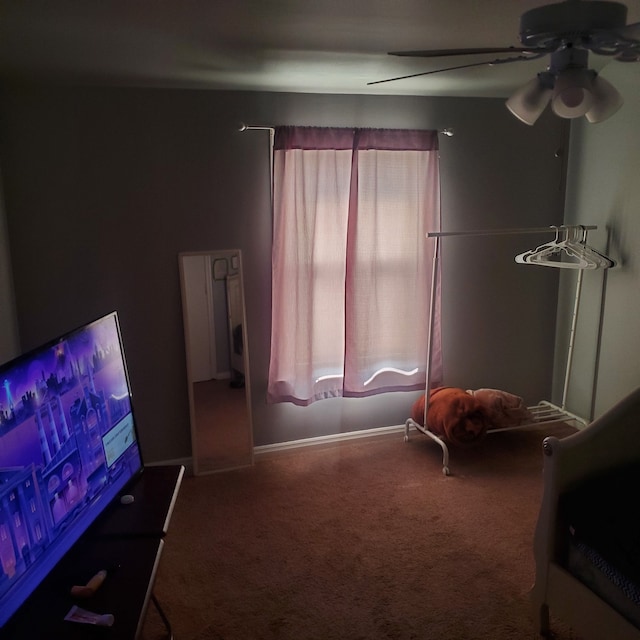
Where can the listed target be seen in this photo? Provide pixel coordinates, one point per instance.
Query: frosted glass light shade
(572, 94)
(606, 100)
(528, 102)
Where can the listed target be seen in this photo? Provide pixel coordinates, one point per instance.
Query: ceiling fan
(566, 31)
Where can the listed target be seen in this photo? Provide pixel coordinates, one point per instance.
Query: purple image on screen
(59, 407)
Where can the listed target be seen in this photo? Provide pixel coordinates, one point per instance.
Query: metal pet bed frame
(544, 412)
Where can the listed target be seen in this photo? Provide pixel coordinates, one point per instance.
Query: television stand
(128, 545)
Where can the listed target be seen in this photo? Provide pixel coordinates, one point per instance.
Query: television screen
(68, 446)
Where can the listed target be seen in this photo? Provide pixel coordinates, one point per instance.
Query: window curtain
(351, 264)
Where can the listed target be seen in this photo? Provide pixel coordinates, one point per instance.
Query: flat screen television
(68, 447)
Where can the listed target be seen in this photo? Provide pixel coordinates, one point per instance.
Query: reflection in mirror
(217, 360)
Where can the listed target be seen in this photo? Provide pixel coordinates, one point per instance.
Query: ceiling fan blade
(460, 66)
(623, 43)
(630, 32)
(441, 53)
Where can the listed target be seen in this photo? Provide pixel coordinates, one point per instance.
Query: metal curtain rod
(492, 232)
(247, 127)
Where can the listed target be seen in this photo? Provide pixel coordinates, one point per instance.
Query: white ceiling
(311, 46)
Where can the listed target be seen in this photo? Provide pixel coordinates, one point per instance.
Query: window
(351, 261)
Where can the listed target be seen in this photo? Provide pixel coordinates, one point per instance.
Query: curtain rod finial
(242, 127)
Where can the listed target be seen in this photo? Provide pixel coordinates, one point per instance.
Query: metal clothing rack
(544, 412)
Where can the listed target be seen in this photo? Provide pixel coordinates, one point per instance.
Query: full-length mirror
(217, 361)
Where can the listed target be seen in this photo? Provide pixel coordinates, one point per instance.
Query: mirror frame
(229, 254)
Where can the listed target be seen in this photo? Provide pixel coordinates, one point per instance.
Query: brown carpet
(361, 540)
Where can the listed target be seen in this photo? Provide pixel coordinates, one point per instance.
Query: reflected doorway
(217, 360)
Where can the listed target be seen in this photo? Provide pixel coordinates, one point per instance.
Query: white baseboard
(187, 462)
(296, 444)
(330, 439)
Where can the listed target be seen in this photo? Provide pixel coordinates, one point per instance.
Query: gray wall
(9, 343)
(604, 189)
(103, 188)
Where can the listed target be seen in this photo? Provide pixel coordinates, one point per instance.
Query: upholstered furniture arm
(608, 443)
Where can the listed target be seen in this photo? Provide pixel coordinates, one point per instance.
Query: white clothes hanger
(556, 255)
(523, 258)
(602, 260)
(570, 252)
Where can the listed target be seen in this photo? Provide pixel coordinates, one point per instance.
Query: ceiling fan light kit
(567, 31)
(573, 89)
(572, 94)
(528, 102)
(607, 100)
(570, 29)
